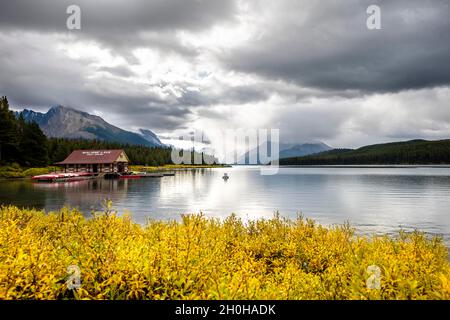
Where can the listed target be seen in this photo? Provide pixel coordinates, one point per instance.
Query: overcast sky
(310, 68)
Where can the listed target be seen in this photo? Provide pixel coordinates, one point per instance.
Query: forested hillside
(20, 141)
(408, 152)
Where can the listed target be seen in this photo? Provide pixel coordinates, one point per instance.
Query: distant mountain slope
(298, 150)
(150, 136)
(406, 152)
(63, 122)
(287, 150)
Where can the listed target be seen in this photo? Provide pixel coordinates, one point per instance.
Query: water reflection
(372, 199)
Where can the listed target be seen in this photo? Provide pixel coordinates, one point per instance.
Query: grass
(202, 258)
(15, 171)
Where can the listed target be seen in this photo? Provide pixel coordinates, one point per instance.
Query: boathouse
(96, 161)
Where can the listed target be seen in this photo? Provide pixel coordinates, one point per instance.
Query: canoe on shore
(63, 177)
(129, 176)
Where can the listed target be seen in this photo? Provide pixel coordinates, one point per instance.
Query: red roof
(92, 156)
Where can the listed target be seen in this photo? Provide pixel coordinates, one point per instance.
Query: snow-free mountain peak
(64, 122)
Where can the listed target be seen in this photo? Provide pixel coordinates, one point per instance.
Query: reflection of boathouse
(96, 161)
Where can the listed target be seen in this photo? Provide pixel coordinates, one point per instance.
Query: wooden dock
(151, 175)
(137, 175)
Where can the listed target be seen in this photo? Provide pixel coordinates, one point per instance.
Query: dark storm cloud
(327, 45)
(309, 67)
(131, 15)
(35, 78)
(34, 75)
(139, 110)
(115, 20)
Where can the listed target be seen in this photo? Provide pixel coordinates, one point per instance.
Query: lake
(372, 199)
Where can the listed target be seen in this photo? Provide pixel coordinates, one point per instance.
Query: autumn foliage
(203, 258)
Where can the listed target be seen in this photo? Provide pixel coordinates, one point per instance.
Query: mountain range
(288, 150)
(302, 149)
(64, 122)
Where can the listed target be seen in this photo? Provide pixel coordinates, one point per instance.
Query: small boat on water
(225, 176)
(151, 175)
(63, 177)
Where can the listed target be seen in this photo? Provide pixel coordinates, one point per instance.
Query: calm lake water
(374, 200)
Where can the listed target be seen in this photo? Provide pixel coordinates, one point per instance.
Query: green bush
(15, 171)
(12, 171)
(15, 166)
(38, 171)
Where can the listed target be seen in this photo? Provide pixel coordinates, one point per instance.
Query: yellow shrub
(201, 258)
(37, 171)
(15, 171)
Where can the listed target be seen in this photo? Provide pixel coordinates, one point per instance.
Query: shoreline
(19, 173)
(368, 166)
(173, 167)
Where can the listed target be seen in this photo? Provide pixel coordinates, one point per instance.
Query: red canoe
(129, 176)
(62, 177)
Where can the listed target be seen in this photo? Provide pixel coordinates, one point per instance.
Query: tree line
(24, 143)
(408, 152)
(20, 141)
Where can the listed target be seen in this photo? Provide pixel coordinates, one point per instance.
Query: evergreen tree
(32, 145)
(8, 133)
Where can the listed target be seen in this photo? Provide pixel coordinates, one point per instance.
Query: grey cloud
(317, 58)
(34, 77)
(143, 111)
(227, 95)
(120, 71)
(120, 24)
(37, 78)
(328, 46)
(115, 15)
